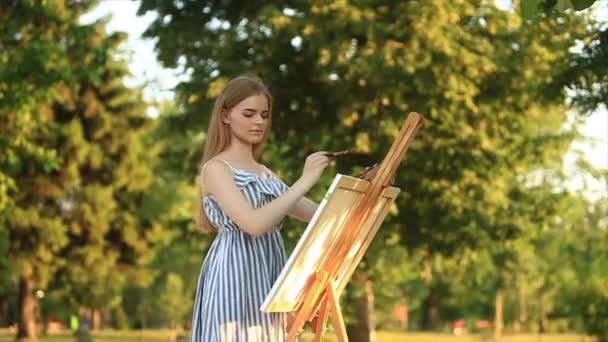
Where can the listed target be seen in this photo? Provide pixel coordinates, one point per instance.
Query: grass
(381, 336)
(385, 336)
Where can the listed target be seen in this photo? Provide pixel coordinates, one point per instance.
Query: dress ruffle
(267, 185)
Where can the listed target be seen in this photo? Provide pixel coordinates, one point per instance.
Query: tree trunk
(498, 321)
(106, 318)
(27, 304)
(430, 309)
(96, 319)
(541, 315)
(363, 328)
(430, 314)
(523, 308)
(3, 311)
(401, 313)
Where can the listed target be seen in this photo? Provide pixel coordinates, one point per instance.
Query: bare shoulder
(215, 167)
(214, 174)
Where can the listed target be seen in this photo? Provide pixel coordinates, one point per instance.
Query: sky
(159, 82)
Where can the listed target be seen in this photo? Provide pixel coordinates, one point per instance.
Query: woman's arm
(219, 182)
(303, 210)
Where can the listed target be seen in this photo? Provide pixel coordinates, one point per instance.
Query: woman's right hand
(314, 166)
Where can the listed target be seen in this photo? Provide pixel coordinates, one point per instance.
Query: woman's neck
(240, 152)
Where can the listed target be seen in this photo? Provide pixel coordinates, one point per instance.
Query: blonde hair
(218, 134)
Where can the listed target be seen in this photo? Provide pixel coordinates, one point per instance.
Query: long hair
(218, 134)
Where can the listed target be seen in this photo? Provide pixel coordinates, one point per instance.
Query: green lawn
(382, 336)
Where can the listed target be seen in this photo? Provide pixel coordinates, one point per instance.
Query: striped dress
(239, 271)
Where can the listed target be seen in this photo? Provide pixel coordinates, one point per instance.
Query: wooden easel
(321, 298)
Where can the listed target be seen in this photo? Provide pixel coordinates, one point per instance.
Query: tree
(79, 175)
(179, 259)
(582, 241)
(34, 69)
(530, 8)
(116, 225)
(585, 73)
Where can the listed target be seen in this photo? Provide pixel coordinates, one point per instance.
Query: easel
(321, 298)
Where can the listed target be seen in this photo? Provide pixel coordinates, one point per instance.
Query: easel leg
(321, 322)
(295, 325)
(336, 313)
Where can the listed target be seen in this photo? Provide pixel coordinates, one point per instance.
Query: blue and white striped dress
(239, 271)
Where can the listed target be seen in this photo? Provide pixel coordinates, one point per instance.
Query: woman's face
(248, 120)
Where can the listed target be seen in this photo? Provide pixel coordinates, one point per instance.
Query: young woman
(245, 203)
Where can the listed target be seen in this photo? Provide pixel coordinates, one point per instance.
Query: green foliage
(593, 301)
(35, 66)
(584, 73)
(172, 304)
(583, 261)
(179, 260)
(76, 169)
(345, 81)
(531, 8)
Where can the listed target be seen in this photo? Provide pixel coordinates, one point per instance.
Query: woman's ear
(225, 117)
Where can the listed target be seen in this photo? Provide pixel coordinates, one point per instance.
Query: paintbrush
(336, 154)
